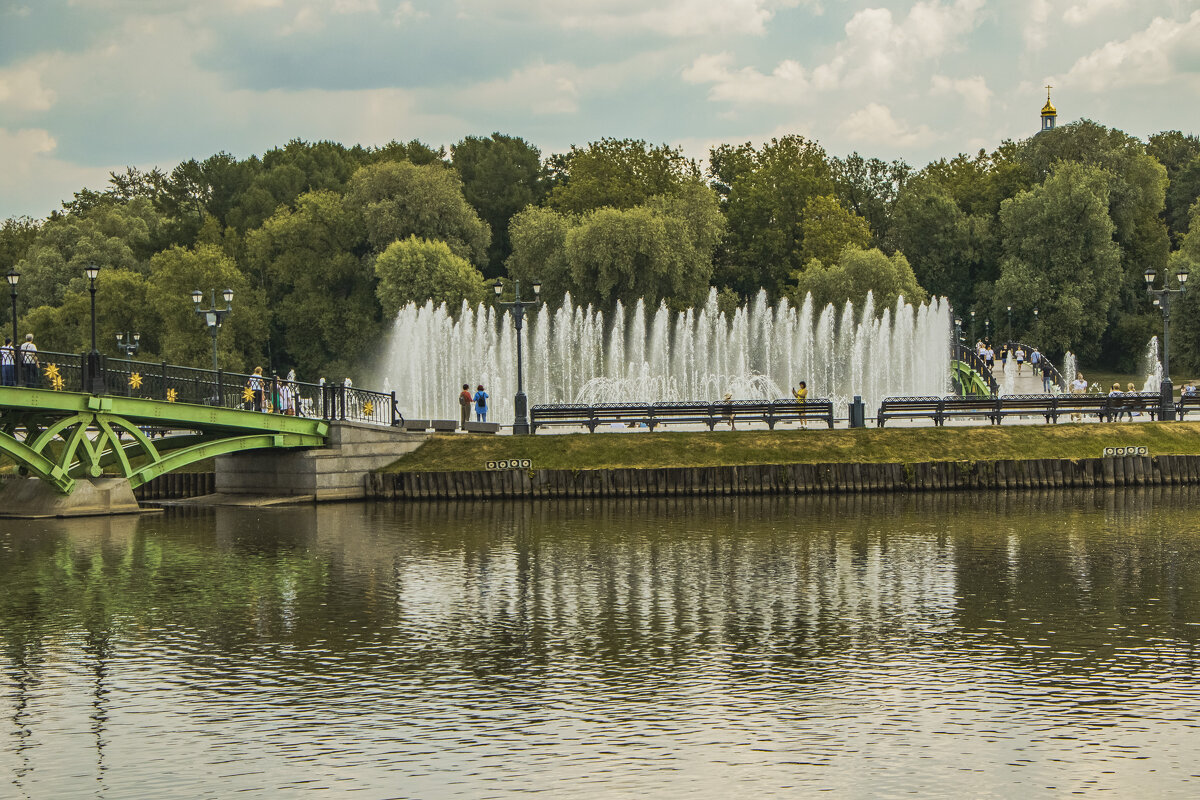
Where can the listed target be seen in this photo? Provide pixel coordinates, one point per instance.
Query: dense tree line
(323, 243)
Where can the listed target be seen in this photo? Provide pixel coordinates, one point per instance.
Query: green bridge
(69, 419)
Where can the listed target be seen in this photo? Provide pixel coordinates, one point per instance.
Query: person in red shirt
(464, 405)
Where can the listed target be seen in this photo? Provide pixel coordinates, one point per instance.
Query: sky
(93, 86)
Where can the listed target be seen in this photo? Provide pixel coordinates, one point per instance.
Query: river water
(990, 645)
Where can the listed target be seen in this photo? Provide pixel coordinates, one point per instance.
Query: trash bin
(858, 413)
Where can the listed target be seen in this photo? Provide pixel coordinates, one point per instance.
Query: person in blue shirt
(481, 398)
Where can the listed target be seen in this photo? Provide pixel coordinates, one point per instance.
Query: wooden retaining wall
(1084, 473)
(177, 485)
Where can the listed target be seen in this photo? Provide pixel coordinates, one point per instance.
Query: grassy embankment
(870, 445)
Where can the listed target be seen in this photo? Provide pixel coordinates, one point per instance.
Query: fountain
(637, 354)
(1151, 367)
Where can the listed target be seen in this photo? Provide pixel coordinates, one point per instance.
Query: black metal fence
(175, 384)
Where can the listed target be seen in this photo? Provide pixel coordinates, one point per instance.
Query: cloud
(875, 125)
(786, 84)
(33, 180)
(1036, 19)
(539, 89)
(21, 87)
(406, 12)
(676, 18)
(1086, 10)
(877, 49)
(974, 91)
(1144, 59)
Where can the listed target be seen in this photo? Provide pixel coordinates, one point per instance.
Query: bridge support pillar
(31, 498)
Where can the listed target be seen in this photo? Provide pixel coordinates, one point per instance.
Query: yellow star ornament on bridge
(52, 372)
(368, 408)
(135, 381)
(172, 395)
(247, 394)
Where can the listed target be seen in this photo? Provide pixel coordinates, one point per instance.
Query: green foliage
(181, 336)
(500, 175)
(617, 173)
(870, 187)
(766, 192)
(313, 266)
(857, 273)
(1059, 256)
(397, 200)
(110, 234)
(829, 229)
(1185, 310)
(661, 250)
(416, 270)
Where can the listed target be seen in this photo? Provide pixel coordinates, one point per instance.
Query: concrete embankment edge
(1085, 473)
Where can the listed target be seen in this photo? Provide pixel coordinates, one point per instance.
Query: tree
(870, 188)
(314, 267)
(111, 234)
(397, 200)
(617, 173)
(416, 270)
(539, 250)
(857, 273)
(180, 336)
(500, 175)
(1059, 256)
(1185, 310)
(766, 192)
(1180, 156)
(829, 229)
(121, 305)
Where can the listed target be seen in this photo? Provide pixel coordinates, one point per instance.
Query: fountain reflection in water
(637, 354)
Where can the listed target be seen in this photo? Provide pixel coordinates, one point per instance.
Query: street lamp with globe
(1162, 298)
(518, 306)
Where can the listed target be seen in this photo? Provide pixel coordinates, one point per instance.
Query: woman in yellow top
(801, 396)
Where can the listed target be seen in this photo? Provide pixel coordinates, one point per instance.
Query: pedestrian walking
(481, 405)
(727, 410)
(29, 362)
(464, 406)
(255, 385)
(1019, 355)
(8, 363)
(1078, 386)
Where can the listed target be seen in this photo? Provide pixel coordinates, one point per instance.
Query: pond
(985, 645)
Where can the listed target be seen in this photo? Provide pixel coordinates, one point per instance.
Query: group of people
(283, 398)
(987, 354)
(466, 399)
(25, 357)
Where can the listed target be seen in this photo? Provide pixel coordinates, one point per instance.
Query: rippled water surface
(942, 646)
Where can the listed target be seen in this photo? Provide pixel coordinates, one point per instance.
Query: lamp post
(987, 330)
(128, 344)
(958, 330)
(1010, 323)
(1162, 297)
(518, 306)
(213, 316)
(972, 325)
(14, 276)
(95, 362)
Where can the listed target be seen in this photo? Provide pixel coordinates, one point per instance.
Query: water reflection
(754, 646)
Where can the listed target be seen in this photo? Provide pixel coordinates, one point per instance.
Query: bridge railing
(178, 384)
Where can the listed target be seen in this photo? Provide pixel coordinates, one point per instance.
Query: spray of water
(636, 354)
(1151, 366)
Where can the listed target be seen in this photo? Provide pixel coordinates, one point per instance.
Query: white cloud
(1086, 10)
(1144, 59)
(355, 6)
(875, 125)
(877, 49)
(974, 91)
(679, 18)
(33, 180)
(1036, 19)
(406, 12)
(540, 89)
(786, 84)
(21, 87)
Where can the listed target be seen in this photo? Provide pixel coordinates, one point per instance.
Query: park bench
(1027, 405)
(1135, 403)
(561, 414)
(969, 407)
(631, 414)
(1082, 404)
(1186, 403)
(909, 408)
(817, 409)
(686, 413)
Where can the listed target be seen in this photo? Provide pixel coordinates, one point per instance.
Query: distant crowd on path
(1037, 362)
(25, 358)
(279, 395)
(466, 399)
